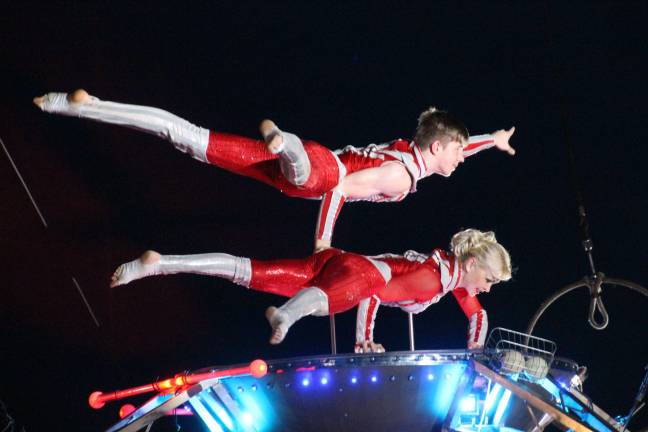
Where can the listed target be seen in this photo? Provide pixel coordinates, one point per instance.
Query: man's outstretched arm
(499, 139)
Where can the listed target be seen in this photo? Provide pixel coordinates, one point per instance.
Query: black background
(341, 74)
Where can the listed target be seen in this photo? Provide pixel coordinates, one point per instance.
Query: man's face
(449, 157)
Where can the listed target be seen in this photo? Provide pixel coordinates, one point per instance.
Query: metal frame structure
(405, 391)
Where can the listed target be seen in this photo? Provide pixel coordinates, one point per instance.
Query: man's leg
(295, 165)
(184, 136)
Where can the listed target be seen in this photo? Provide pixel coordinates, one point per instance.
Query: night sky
(349, 74)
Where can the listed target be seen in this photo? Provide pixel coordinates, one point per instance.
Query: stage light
(491, 397)
(374, 379)
(204, 415)
(430, 377)
(305, 382)
(217, 409)
(247, 419)
(254, 387)
(240, 389)
(354, 380)
(468, 404)
(324, 381)
(501, 408)
(126, 410)
(258, 368)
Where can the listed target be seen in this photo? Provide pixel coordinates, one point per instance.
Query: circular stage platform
(455, 390)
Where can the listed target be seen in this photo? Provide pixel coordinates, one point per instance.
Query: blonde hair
(483, 246)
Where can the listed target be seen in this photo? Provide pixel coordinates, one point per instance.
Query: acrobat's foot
(272, 136)
(146, 265)
(61, 102)
(279, 323)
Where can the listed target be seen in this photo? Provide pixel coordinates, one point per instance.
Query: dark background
(341, 74)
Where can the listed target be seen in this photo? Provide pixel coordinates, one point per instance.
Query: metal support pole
(410, 321)
(333, 341)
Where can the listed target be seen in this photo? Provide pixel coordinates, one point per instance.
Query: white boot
(293, 159)
(232, 268)
(309, 301)
(184, 136)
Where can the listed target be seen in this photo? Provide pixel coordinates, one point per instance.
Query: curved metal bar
(627, 284)
(596, 302)
(545, 305)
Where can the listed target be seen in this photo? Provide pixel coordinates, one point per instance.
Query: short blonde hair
(483, 246)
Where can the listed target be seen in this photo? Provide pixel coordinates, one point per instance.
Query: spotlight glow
(468, 404)
(430, 377)
(305, 382)
(354, 380)
(204, 415)
(501, 408)
(247, 419)
(374, 379)
(324, 381)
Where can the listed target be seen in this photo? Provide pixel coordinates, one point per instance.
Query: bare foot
(146, 265)
(58, 101)
(79, 96)
(278, 323)
(272, 136)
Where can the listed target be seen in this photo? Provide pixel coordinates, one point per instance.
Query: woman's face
(476, 279)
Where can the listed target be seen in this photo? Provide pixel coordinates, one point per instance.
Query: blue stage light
(217, 409)
(305, 382)
(204, 415)
(324, 381)
(468, 404)
(354, 380)
(501, 408)
(491, 397)
(247, 419)
(430, 376)
(374, 379)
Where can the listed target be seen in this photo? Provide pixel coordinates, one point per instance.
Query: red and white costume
(419, 281)
(331, 281)
(412, 282)
(251, 158)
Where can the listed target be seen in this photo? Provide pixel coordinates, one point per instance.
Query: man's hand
(368, 347)
(501, 138)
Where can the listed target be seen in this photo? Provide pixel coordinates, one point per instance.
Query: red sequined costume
(412, 281)
(250, 158)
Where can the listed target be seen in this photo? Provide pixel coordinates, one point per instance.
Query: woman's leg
(339, 281)
(151, 263)
(308, 301)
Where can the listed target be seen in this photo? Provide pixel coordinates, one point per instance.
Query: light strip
(217, 409)
(501, 408)
(207, 418)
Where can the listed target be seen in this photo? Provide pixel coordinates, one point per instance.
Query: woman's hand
(368, 347)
